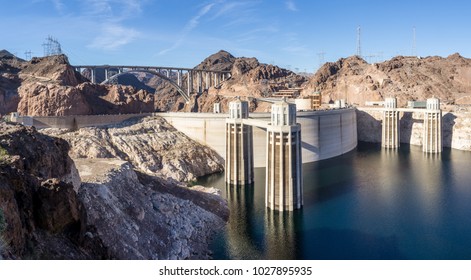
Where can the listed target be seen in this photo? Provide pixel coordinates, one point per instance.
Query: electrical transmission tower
(52, 47)
(359, 41)
(321, 56)
(28, 55)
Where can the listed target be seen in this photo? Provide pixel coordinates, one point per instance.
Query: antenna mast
(359, 41)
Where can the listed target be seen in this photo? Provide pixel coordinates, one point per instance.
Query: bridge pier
(217, 108)
(239, 145)
(208, 80)
(432, 137)
(93, 75)
(284, 181)
(200, 82)
(179, 78)
(190, 82)
(390, 128)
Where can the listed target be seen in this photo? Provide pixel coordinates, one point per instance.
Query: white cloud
(290, 5)
(58, 5)
(231, 8)
(190, 25)
(116, 10)
(110, 15)
(113, 36)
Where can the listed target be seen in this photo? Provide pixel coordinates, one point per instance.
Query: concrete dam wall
(324, 134)
(75, 122)
(456, 131)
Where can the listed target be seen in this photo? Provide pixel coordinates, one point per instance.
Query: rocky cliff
(107, 209)
(145, 221)
(407, 78)
(10, 66)
(49, 86)
(249, 78)
(150, 144)
(37, 197)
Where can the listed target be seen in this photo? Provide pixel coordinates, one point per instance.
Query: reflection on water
(369, 204)
(282, 234)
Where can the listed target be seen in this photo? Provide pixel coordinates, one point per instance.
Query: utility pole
(359, 41)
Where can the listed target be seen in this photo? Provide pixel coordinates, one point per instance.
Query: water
(367, 204)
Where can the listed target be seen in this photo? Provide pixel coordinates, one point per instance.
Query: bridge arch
(185, 95)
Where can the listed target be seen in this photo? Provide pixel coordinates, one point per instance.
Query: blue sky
(289, 33)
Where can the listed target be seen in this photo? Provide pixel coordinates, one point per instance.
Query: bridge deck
(149, 67)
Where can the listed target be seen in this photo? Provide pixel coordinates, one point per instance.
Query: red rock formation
(51, 87)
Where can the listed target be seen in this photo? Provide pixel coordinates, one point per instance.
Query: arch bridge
(197, 80)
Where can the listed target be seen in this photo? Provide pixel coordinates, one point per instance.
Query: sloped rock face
(136, 221)
(51, 100)
(249, 78)
(407, 78)
(9, 81)
(54, 69)
(116, 99)
(57, 207)
(36, 185)
(150, 144)
(110, 211)
(49, 86)
(220, 61)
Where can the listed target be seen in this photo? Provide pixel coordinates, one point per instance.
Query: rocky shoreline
(102, 205)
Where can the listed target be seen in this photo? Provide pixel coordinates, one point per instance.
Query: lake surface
(368, 204)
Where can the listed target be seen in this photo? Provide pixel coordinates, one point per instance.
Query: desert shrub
(3, 153)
